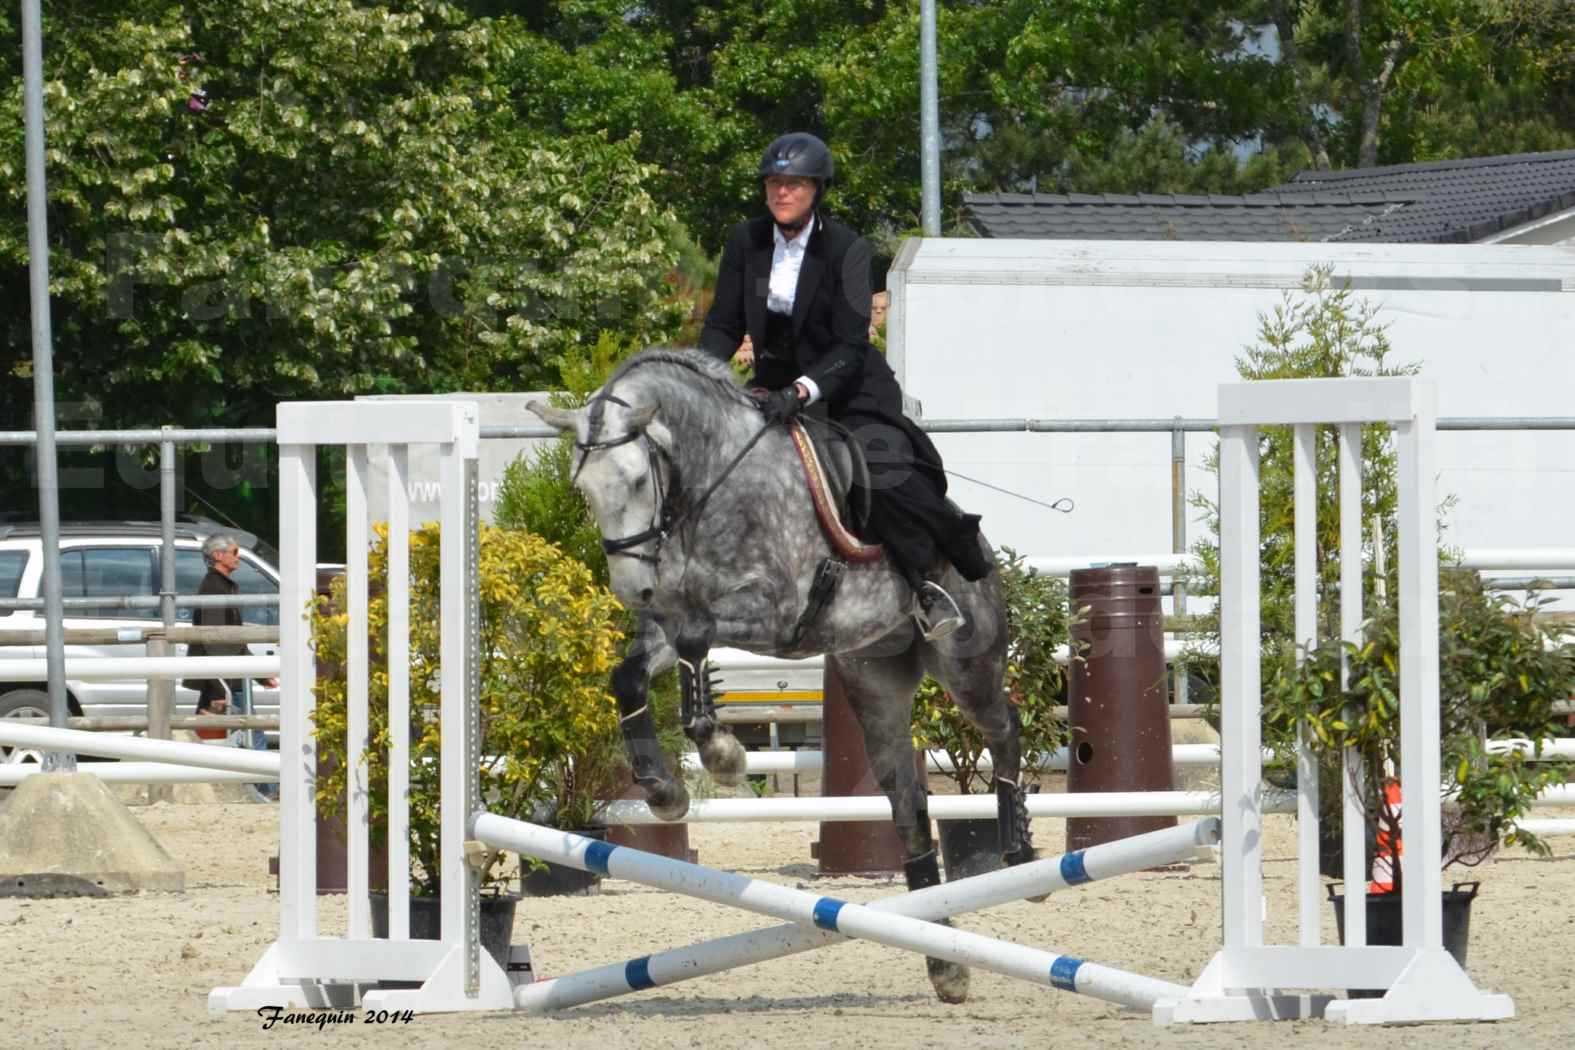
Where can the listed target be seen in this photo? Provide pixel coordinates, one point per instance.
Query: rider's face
(790, 198)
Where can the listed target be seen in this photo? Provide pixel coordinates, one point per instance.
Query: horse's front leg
(720, 752)
(648, 655)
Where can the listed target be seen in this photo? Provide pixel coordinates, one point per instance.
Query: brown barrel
(1116, 698)
(850, 847)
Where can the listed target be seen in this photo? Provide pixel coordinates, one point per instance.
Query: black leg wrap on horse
(666, 794)
(1012, 822)
(922, 872)
(639, 743)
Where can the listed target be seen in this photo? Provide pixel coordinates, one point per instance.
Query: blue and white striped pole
(1153, 849)
(883, 925)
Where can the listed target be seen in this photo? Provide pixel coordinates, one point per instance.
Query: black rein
(668, 518)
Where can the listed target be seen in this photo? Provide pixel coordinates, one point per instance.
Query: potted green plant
(548, 639)
(1502, 667)
(1038, 622)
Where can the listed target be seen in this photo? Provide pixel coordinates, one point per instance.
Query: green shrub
(1501, 670)
(536, 496)
(1323, 333)
(549, 637)
(1495, 673)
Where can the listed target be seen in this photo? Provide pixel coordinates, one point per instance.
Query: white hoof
(724, 758)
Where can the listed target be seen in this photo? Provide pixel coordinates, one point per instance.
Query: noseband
(666, 515)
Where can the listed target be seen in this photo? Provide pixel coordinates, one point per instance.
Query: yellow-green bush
(549, 639)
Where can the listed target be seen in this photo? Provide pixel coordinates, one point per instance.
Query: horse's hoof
(669, 799)
(1021, 855)
(724, 758)
(950, 980)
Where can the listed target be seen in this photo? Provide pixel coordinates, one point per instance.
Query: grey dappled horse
(707, 560)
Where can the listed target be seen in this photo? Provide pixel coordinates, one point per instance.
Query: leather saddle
(838, 481)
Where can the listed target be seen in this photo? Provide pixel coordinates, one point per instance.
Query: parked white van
(114, 560)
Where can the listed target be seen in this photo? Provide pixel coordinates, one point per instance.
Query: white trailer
(1077, 330)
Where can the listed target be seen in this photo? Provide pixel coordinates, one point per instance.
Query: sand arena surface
(134, 972)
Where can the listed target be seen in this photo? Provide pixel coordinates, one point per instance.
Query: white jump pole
(828, 913)
(1548, 827)
(110, 668)
(137, 749)
(634, 813)
(1167, 846)
(12, 774)
(810, 762)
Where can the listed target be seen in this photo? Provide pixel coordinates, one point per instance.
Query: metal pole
(1178, 539)
(161, 691)
(929, 122)
(44, 372)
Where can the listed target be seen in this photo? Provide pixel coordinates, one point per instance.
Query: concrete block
(71, 824)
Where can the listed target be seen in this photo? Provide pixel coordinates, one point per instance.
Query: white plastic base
(444, 991)
(339, 973)
(1432, 988)
(1424, 985)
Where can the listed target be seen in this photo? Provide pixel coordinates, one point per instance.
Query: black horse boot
(966, 551)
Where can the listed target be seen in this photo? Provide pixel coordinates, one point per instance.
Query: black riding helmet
(799, 153)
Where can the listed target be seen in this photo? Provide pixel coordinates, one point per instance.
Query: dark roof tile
(1440, 202)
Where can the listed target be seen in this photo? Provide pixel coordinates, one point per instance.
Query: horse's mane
(718, 375)
(696, 396)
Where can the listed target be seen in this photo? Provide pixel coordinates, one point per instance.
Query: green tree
(352, 207)
(1390, 81)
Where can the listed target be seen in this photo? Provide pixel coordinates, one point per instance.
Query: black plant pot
(1385, 923)
(1331, 848)
(970, 847)
(555, 880)
(496, 929)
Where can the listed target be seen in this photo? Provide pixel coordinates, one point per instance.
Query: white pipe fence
(1482, 559)
(805, 762)
(109, 668)
(942, 807)
(12, 774)
(158, 762)
(136, 749)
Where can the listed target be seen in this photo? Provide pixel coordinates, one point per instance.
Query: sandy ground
(135, 971)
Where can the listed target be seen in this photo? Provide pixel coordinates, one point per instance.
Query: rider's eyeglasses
(789, 183)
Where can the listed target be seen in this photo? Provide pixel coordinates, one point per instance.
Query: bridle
(667, 515)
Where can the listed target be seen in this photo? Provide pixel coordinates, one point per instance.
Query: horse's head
(623, 468)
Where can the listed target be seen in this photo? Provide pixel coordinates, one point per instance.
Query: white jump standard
(302, 968)
(1248, 980)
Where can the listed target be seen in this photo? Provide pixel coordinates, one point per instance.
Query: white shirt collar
(800, 241)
